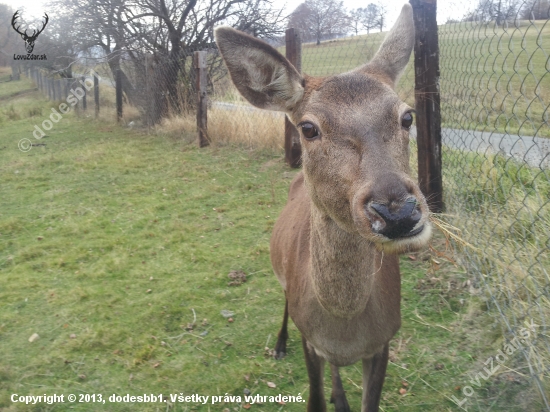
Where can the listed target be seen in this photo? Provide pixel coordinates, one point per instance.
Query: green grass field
(115, 248)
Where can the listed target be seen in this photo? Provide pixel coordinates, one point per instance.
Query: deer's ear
(394, 53)
(261, 74)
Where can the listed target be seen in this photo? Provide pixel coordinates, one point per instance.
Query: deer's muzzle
(396, 224)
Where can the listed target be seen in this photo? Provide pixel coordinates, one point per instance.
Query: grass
(115, 248)
(503, 208)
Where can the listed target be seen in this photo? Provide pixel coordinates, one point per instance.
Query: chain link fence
(495, 104)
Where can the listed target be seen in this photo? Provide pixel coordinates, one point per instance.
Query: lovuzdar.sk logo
(29, 40)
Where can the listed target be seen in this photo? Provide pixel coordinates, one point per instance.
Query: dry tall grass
(243, 125)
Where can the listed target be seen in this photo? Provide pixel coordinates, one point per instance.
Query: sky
(446, 8)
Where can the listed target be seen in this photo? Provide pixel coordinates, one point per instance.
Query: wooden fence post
(59, 91)
(83, 83)
(426, 92)
(293, 149)
(54, 90)
(14, 70)
(118, 95)
(96, 96)
(74, 85)
(199, 61)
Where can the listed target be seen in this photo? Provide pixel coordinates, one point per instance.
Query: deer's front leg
(338, 396)
(315, 368)
(374, 372)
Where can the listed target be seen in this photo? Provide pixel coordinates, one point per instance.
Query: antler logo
(29, 40)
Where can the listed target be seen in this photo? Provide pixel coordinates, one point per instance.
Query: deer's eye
(309, 131)
(407, 120)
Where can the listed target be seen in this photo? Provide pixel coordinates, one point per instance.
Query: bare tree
(9, 40)
(101, 30)
(499, 11)
(382, 11)
(320, 18)
(535, 10)
(370, 17)
(151, 41)
(299, 19)
(355, 19)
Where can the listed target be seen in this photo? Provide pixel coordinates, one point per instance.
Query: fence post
(96, 95)
(427, 102)
(74, 85)
(14, 70)
(118, 95)
(55, 97)
(293, 149)
(59, 92)
(199, 61)
(83, 82)
(51, 94)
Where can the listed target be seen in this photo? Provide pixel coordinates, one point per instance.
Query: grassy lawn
(115, 248)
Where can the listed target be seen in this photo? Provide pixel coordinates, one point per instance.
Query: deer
(29, 40)
(351, 210)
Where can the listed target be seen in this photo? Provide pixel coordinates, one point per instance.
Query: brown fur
(339, 273)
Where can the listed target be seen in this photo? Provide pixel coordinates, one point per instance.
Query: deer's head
(354, 133)
(29, 40)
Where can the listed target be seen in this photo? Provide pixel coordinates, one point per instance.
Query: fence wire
(495, 98)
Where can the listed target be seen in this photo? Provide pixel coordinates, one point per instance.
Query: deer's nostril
(398, 223)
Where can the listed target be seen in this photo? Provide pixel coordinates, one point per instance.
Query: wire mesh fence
(495, 99)
(495, 105)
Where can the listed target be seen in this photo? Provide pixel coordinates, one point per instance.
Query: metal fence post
(199, 61)
(427, 102)
(118, 95)
(293, 149)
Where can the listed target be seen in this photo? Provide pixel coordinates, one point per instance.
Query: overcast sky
(446, 8)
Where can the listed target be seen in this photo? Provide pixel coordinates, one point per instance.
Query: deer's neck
(343, 267)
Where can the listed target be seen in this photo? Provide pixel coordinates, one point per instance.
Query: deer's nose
(400, 222)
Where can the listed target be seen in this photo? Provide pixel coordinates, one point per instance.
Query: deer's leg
(338, 396)
(280, 347)
(315, 366)
(374, 372)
